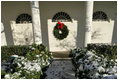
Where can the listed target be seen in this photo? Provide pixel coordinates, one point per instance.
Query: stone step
(61, 69)
(60, 54)
(57, 59)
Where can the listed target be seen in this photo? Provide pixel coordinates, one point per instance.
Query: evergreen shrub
(7, 51)
(108, 50)
(96, 61)
(32, 65)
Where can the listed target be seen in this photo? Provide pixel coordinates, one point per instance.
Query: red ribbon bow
(61, 25)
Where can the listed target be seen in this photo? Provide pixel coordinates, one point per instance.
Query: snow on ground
(61, 69)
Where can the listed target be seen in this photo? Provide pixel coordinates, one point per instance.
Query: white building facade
(25, 22)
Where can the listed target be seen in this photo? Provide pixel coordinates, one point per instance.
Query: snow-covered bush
(31, 65)
(108, 50)
(91, 66)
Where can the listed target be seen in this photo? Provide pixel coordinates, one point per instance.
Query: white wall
(102, 31)
(22, 33)
(74, 10)
(67, 43)
(3, 38)
(106, 30)
(10, 11)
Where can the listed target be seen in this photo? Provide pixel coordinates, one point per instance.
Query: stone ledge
(62, 59)
(61, 54)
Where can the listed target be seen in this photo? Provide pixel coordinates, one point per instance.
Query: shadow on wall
(68, 45)
(78, 39)
(9, 11)
(80, 34)
(8, 33)
(44, 31)
(96, 34)
(114, 35)
(22, 35)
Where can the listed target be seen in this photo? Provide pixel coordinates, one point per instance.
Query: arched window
(24, 18)
(99, 16)
(61, 16)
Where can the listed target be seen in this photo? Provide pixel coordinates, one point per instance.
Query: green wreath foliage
(63, 34)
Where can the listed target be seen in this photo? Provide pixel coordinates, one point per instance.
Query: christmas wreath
(60, 31)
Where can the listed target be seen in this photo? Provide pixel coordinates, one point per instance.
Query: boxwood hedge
(7, 51)
(108, 50)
